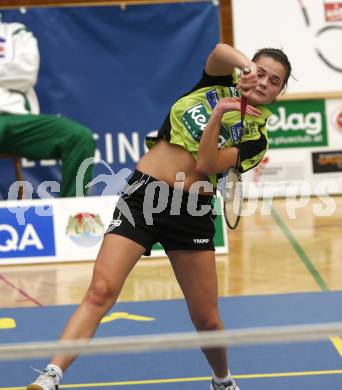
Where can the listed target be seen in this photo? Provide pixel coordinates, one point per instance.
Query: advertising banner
(69, 229)
(32, 238)
(298, 124)
(323, 162)
(309, 31)
(305, 142)
(333, 10)
(116, 70)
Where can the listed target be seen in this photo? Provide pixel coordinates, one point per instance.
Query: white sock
(222, 380)
(57, 369)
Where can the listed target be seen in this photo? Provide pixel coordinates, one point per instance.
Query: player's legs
(115, 260)
(196, 274)
(124, 243)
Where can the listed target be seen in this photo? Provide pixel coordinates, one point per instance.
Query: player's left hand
(234, 104)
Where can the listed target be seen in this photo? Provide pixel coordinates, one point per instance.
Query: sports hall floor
(279, 271)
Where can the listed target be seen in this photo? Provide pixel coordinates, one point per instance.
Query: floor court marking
(336, 341)
(7, 323)
(300, 251)
(19, 290)
(122, 315)
(194, 379)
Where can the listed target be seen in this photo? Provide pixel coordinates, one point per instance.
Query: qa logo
(34, 238)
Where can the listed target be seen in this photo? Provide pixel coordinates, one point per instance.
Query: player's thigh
(116, 258)
(196, 274)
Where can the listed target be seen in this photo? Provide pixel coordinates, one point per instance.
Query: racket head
(233, 198)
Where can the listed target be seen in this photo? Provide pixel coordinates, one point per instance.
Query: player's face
(271, 76)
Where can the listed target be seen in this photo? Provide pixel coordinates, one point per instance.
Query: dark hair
(277, 55)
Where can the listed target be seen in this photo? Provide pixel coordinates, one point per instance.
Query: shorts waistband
(140, 177)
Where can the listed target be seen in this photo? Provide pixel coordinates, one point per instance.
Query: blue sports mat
(282, 361)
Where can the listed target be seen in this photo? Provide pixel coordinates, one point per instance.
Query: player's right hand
(248, 81)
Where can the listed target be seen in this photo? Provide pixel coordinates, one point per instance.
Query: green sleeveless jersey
(190, 114)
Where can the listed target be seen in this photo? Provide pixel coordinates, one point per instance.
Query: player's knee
(207, 322)
(100, 294)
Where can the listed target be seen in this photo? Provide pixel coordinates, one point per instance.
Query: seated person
(23, 131)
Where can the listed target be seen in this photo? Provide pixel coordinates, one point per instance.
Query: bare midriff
(167, 161)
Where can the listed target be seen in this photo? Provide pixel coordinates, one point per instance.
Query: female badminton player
(169, 197)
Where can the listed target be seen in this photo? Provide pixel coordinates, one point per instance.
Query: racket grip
(246, 70)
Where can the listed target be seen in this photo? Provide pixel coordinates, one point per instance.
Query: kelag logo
(32, 239)
(298, 124)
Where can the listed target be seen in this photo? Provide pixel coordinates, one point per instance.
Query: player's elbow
(204, 168)
(221, 50)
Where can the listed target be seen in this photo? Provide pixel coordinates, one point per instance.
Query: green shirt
(189, 115)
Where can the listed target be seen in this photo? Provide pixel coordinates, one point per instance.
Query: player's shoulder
(265, 113)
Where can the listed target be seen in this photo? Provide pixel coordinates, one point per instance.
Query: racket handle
(246, 70)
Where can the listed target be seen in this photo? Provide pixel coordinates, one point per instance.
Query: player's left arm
(210, 159)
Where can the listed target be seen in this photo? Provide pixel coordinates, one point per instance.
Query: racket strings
(233, 198)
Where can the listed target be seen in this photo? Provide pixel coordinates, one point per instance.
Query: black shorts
(150, 211)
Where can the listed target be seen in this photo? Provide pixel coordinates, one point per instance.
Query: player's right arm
(224, 59)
